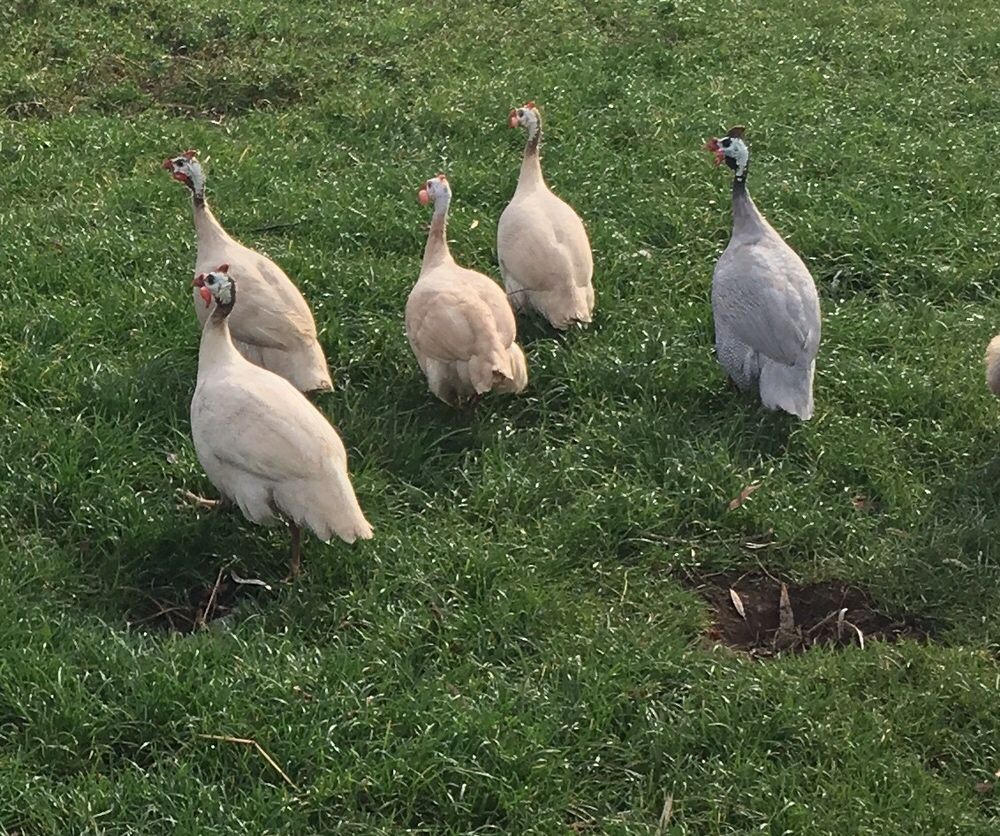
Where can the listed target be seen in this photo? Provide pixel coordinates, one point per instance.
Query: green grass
(515, 651)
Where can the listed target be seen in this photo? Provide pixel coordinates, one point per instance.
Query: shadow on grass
(183, 575)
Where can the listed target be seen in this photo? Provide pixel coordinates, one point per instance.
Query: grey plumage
(764, 302)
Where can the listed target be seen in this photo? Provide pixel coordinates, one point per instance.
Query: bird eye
(210, 280)
(520, 113)
(726, 143)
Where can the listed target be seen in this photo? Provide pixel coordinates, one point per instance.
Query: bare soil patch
(764, 616)
(203, 603)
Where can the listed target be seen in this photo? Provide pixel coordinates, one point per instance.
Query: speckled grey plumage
(766, 311)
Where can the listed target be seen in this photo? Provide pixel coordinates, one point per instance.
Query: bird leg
(468, 405)
(201, 502)
(296, 566)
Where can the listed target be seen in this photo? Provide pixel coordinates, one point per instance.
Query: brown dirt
(832, 613)
(159, 609)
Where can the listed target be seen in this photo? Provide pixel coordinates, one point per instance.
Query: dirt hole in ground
(173, 611)
(763, 616)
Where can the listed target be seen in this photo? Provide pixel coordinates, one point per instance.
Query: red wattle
(206, 294)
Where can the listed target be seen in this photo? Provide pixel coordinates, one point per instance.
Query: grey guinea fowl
(764, 302)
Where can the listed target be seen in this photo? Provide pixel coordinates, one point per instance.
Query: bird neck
(531, 162)
(436, 250)
(746, 216)
(209, 230)
(216, 342)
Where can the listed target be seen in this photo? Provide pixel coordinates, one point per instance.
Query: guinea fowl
(459, 323)
(542, 246)
(993, 365)
(273, 326)
(262, 443)
(767, 319)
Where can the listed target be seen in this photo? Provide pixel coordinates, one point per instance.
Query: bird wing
(766, 297)
(450, 321)
(543, 244)
(260, 424)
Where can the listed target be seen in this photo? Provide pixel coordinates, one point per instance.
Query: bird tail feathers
(518, 377)
(788, 387)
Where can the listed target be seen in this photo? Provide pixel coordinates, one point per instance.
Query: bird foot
(186, 497)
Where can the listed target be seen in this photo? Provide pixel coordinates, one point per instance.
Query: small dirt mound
(764, 617)
(203, 604)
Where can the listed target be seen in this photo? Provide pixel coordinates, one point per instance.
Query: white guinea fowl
(262, 443)
(459, 323)
(542, 246)
(273, 326)
(993, 365)
(764, 301)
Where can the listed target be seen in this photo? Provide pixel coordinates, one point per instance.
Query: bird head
(216, 285)
(186, 169)
(434, 190)
(731, 150)
(526, 116)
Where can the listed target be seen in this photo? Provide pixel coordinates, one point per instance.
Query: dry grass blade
(743, 496)
(206, 614)
(249, 581)
(738, 603)
(246, 741)
(786, 619)
(861, 636)
(665, 816)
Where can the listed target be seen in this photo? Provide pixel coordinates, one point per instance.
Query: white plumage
(459, 323)
(273, 326)
(542, 246)
(993, 365)
(262, 443)
(764, 301)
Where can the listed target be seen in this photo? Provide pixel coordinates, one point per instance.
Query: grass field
(519, 650)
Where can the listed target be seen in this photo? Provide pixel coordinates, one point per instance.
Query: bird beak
(206, 294)
(423, 197)
(168, 164)
(713, 146)
(512, 120)
(199, 280)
